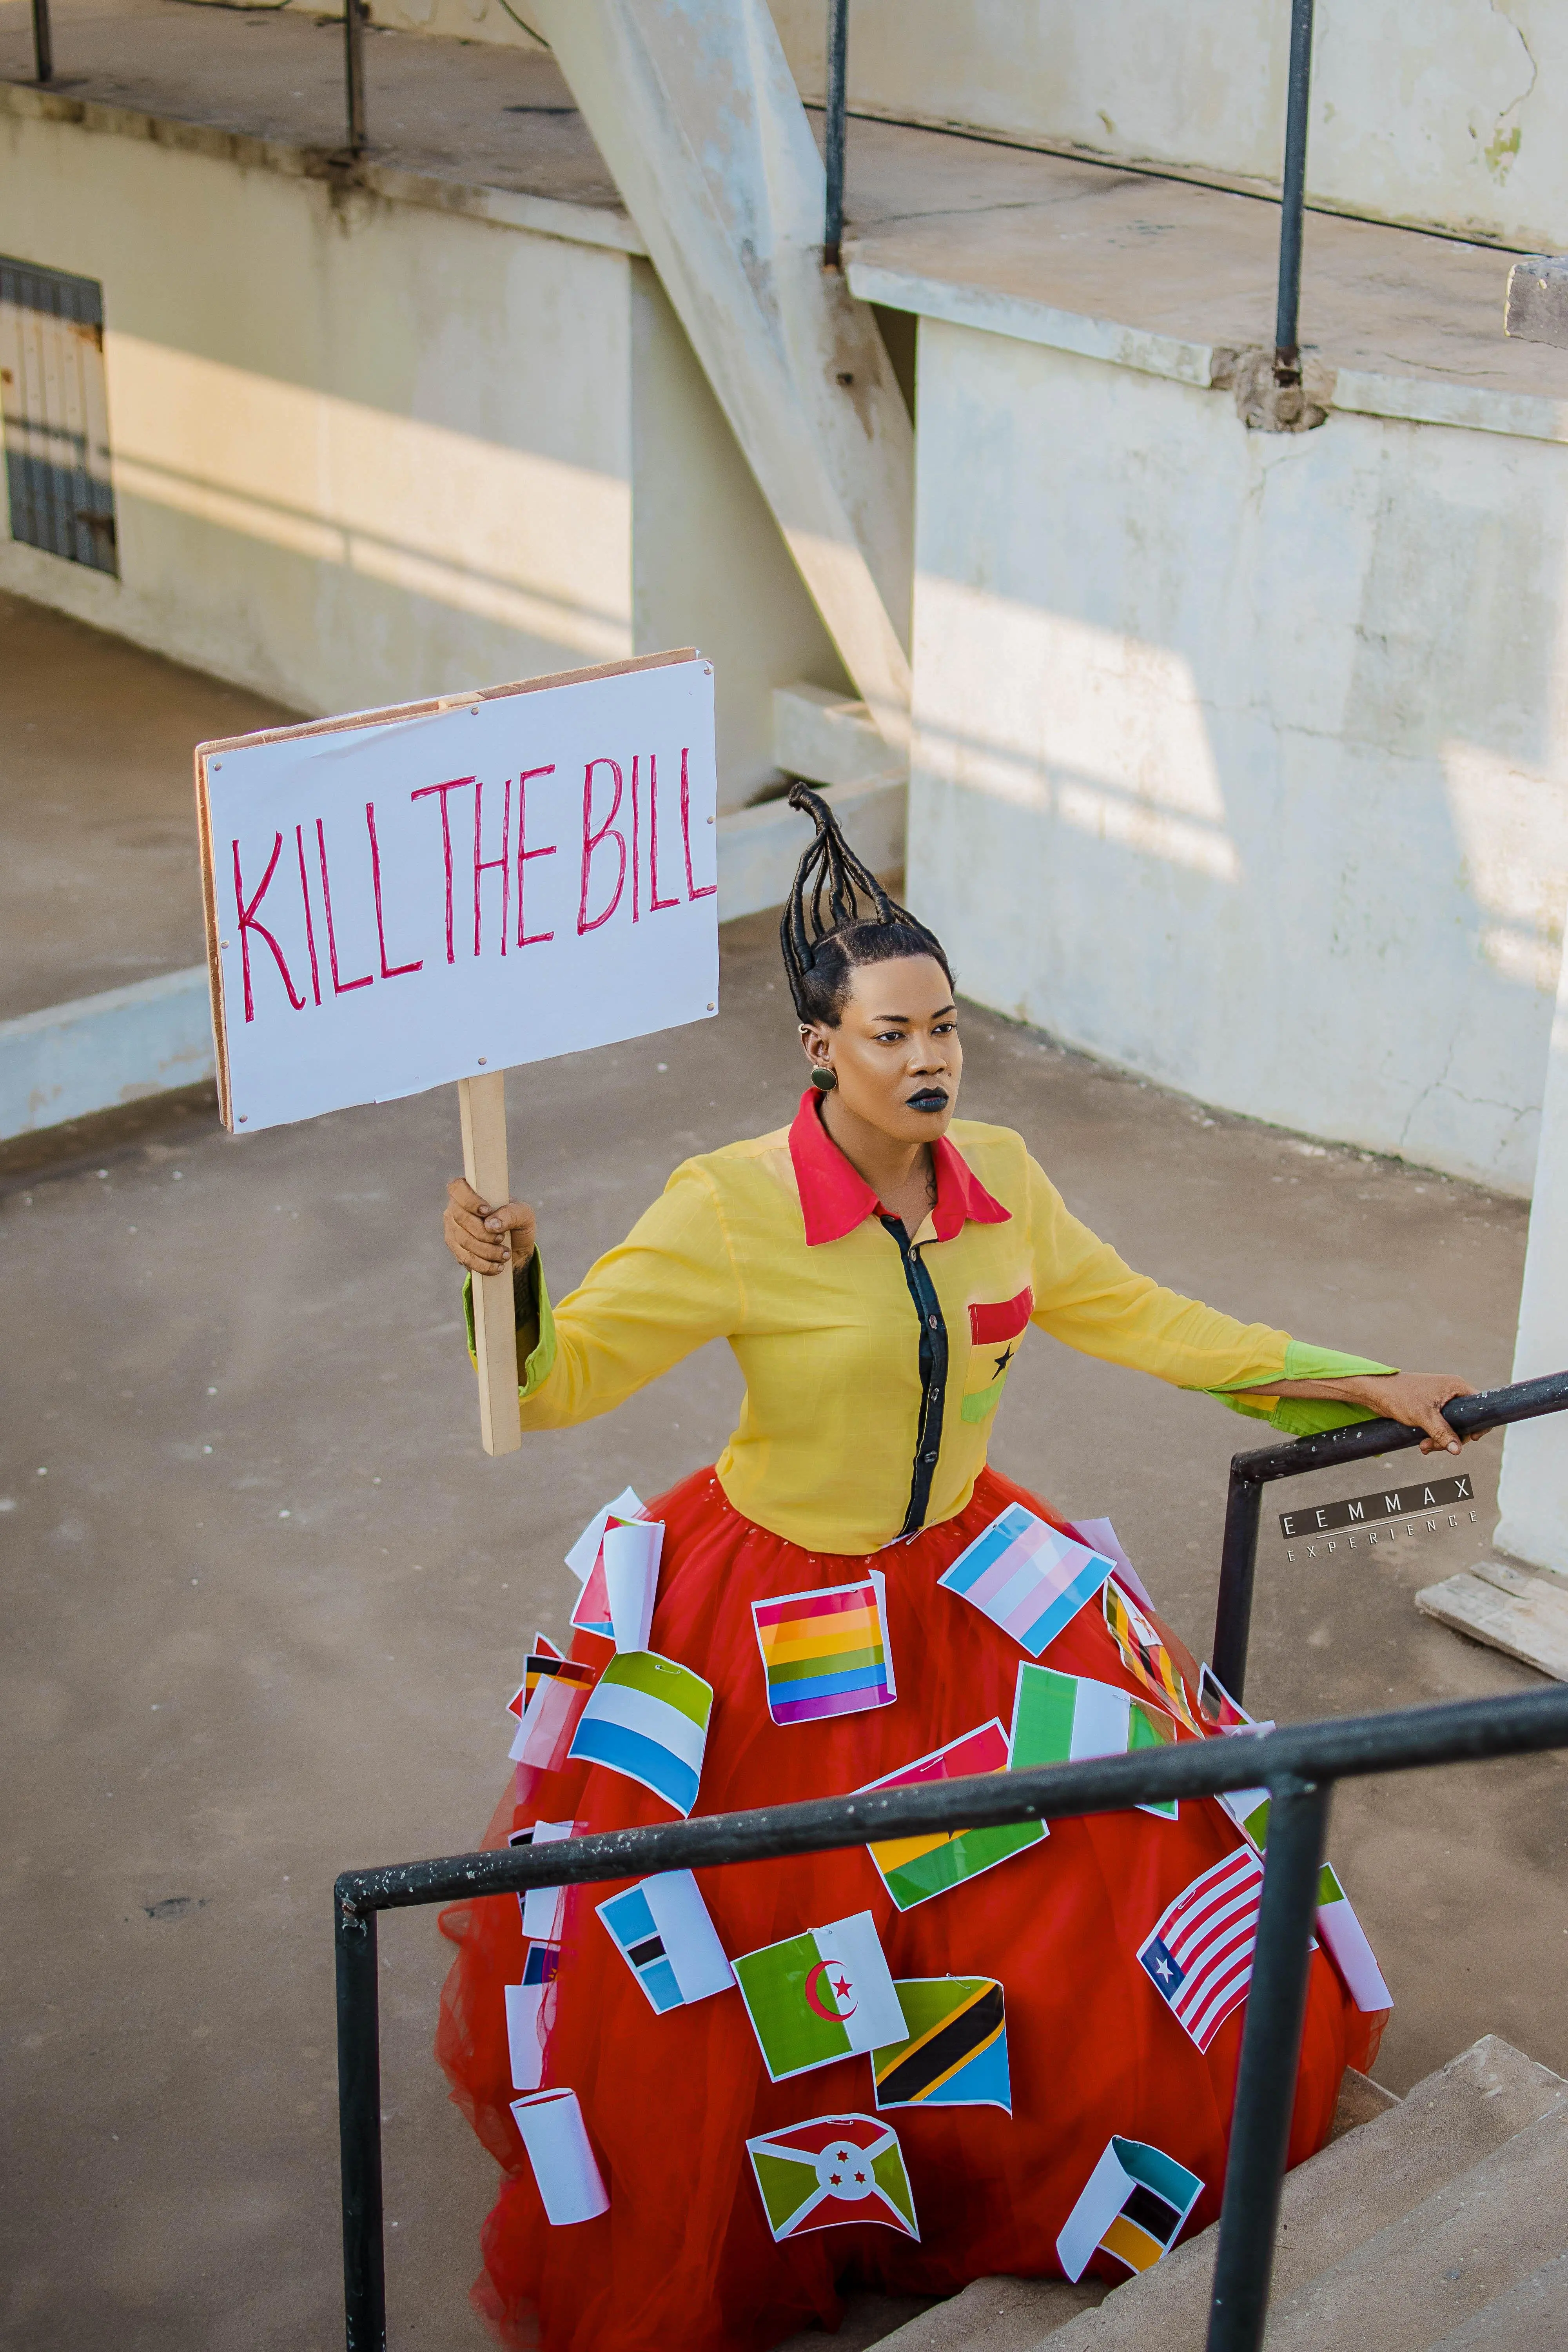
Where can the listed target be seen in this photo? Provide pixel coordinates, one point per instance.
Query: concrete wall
(1239, 757)
(365, 450)
(1454, 113)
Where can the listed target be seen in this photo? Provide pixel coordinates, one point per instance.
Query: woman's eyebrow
(908, 1018)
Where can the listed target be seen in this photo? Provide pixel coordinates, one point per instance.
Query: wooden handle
(482, 1105)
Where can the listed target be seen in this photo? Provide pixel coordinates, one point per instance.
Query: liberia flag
(1199, 1958)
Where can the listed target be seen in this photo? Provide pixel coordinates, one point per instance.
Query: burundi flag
(647, 1716)
(1063, 1718)
(826, 1652)
(1145, 1657)
(1134, 2205)
(832, 2169)
(1026, 1577)
(954, 2050)
(663, 1932)
(821, 1996)
(913, 1869)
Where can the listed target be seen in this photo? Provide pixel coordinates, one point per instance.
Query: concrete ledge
(393, 183)
(101, 1051)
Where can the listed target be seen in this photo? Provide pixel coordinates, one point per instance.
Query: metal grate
(55, 407)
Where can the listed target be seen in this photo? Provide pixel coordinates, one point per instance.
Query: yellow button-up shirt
(875, 1362)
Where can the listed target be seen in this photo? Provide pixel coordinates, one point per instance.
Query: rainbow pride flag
(826, 1652)
(1027, 1578)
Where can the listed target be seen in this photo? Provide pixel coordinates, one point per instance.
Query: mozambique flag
(954, 2054)
(913, 1869)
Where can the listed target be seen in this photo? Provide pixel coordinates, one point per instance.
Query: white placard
(412, 897)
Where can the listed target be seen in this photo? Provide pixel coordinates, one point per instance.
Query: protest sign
(447, 889)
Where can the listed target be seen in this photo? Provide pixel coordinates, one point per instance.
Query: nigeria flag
(1063, 1718)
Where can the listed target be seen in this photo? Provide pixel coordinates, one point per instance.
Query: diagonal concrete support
(693, 108)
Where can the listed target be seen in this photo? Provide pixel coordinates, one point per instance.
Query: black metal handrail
(1298, 1765)
(1250, 1473)
(1293, 197)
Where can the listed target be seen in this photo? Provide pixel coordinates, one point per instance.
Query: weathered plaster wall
(1454, 114)
(363, 450)
(1240, 758)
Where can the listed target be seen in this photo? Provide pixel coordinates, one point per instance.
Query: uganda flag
(955, 2052)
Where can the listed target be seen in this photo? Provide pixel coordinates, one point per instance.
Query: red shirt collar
(835, 1197)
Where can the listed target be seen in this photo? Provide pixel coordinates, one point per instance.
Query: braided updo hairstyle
(858, 924)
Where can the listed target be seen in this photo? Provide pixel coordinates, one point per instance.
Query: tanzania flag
(1145, 1657)
(913, 1869)
(824, 1995)
(954, 2052)
(1133, 2205)
(833, 2169)
(1062, 1719)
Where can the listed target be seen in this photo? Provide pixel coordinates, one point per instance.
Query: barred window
(55, 409)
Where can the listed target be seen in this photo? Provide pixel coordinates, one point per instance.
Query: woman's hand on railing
(486, 1240)
(1414, 1399)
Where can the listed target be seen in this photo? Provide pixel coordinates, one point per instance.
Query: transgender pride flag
(1028, 1579)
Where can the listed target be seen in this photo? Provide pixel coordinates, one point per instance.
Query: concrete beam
(101, 1051)
(826, 739)
(1537, 307)
(692, 106)
(1532, 1487)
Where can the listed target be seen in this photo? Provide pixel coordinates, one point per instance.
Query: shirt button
(929, 1457)
(932, 1321)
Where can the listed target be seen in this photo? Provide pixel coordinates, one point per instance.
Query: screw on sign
(441, 891)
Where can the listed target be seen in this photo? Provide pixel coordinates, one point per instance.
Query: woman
(875, 1268)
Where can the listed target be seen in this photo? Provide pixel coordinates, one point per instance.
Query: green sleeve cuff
(1303, 1416)
(531, 1298)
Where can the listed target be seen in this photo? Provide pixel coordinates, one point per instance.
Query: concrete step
(1530, 2317)
(1363, 2183)
(1467, 2247)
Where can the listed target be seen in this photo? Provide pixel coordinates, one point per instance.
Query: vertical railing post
(1237, 1567)
(353, 72)
(359, 2127)
(43, 43)
(1292, 199)
(1271, 2057)
(837, 77)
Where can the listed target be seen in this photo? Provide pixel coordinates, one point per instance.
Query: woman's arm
(485, 1241)
(1414, 1399)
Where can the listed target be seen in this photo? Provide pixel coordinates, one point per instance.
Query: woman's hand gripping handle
(483, 1239)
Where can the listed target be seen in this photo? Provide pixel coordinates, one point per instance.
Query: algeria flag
(824, 1995)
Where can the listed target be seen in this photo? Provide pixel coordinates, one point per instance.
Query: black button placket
(933, 1377)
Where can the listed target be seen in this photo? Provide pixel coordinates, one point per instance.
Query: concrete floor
(98, 883)
(266, 1600)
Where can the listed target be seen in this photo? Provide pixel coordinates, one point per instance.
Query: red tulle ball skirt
(685, 2256)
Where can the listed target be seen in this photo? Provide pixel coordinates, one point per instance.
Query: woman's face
(895, 1052)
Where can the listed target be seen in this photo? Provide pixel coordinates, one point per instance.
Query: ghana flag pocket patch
(954, 2054)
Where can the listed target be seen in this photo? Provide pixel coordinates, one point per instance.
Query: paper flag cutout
(561, 1690)
(524, 2005)
(585, 1550)
(1345, 1938)
(1133, 2205)
(832, 2169)
(1341, 1932)
(826, 1652)
(554, 2133)
(647, 1716)
(1145, 1657)
(1028, 1579)
(1100, 1536)
(954, 2051)
(629, 1556)
(543, 1907)
(539, 1656)
(663, 1932)
(913, 1869)
(1062, 1719)
(1199, 1958)
(1216, 1707)
(821, 1996)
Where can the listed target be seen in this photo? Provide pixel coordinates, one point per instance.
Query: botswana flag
(956, 2052)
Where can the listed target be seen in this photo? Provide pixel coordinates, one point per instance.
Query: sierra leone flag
(647, 1716)
(821, 1996)
(954, 2050)
(1063, 1718)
